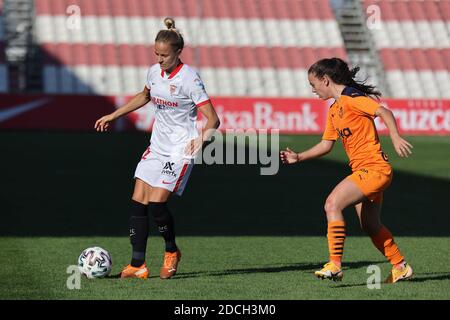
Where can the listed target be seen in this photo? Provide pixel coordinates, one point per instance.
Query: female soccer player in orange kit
(351, 118)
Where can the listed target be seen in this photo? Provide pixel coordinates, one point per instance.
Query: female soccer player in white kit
(177, 92)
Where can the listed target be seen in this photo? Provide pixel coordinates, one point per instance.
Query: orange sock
(336, 238)
(384, 242)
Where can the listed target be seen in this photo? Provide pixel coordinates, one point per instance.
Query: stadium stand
(414, 45)
(240, 47)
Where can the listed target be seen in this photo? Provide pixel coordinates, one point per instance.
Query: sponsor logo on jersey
(163, 102)
(172, 89)
(344, 133)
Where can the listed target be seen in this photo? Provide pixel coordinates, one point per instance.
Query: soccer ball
(95, 262)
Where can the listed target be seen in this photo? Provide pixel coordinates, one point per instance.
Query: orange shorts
(372, 183)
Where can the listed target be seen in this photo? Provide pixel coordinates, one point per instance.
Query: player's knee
(141, 193)
(331, 205)
(139, 196)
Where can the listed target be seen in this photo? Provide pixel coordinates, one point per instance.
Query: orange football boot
(169, 268)
(135, 272)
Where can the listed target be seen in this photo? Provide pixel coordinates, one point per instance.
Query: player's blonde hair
(171, 35)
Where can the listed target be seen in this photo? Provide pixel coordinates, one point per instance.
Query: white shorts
(164, 171)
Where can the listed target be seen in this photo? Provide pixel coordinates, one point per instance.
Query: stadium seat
(238, 78)
(241, 45)
(92, 30)
(98, 79)
(414, 30)
(116, 82)
(67, 80)
(106, 29)
(82, 79)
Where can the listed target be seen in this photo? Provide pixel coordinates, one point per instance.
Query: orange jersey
(351, 118)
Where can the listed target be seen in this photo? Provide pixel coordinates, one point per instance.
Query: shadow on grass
(80, 184)
(310, 267)
(422, 277)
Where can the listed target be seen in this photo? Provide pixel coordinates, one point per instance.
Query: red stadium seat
(419, 58)
(126, 56)
(94, 54)
(325, 10)
(234, 57)
(102, 7)
(263, 57)
(42, 7)
(401, 10)
(80, 54)
(444, 9)
(248, 55)
(431, 9)
(387, 11)
(295, 58)
(221, 9)
(236, 9)
(280, 57)
(250, 9)
(388, 59)
(110, 55)
(295, 9)
(281, 10)
(404, 59)
(311, 9)
(219, 59)
(435, 59)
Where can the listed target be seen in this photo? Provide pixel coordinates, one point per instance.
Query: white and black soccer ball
(95, 262)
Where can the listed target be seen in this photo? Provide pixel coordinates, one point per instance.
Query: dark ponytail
(338, 71)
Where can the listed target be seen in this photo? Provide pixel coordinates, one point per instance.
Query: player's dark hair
(171, 35)
(338, 71)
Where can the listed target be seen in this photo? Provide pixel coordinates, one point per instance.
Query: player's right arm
(138, 101)
(322, 148)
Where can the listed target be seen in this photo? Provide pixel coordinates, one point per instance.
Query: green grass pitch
(243, 235)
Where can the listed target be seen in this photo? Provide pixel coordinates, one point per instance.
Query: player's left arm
(402, 147)
(211, 125)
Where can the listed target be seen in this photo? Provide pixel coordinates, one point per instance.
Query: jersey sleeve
(197, 91)
(330, 132)
(364, 106)
(148, 82)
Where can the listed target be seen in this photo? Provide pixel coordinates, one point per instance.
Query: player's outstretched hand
(288, 156)
(102, 124)
(402, 147)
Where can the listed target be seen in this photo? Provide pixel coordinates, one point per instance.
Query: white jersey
(176, 98)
